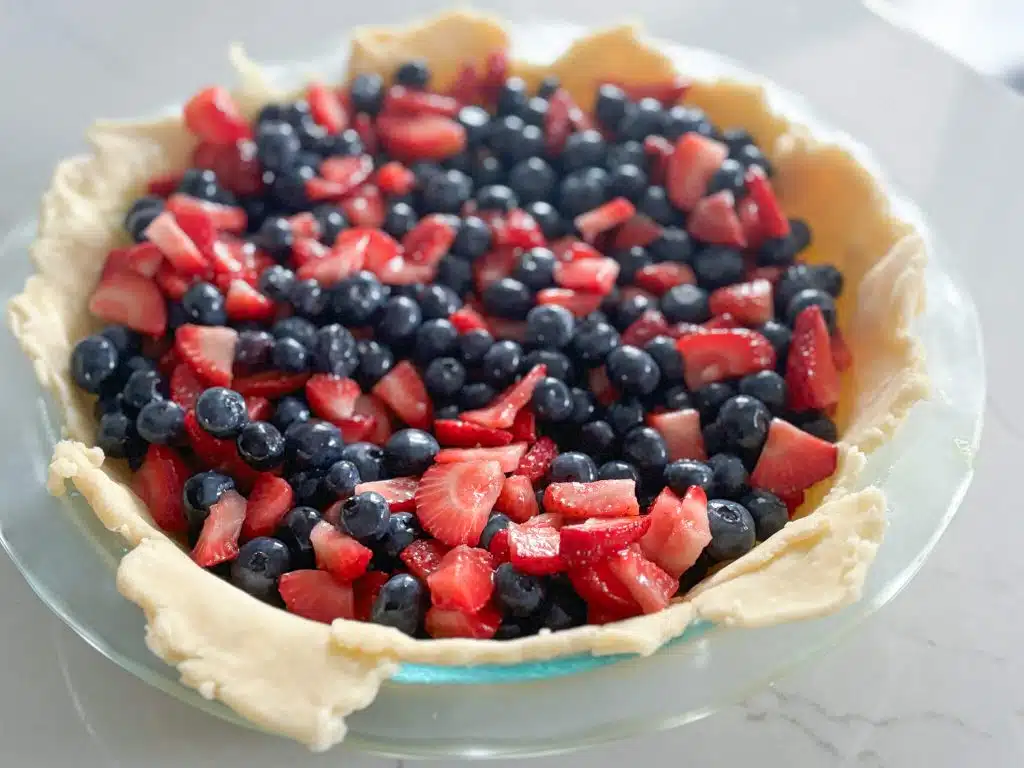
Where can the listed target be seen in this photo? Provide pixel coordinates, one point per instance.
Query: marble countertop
(936, 678)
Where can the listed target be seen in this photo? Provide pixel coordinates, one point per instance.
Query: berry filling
(466, 364)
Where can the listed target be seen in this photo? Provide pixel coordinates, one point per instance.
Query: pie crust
(299, 678)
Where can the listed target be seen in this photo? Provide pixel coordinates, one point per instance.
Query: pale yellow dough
(301, 679)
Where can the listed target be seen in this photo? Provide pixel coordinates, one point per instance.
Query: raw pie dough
(299, 678)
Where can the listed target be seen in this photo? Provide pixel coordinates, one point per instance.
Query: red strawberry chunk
(423, 557)
(225, 218)
(750, 222)
(535, 549)
(464, 580)
(272, 384)
(258, 408)
(453, 501)
(602, 590)
(269, 501)
(750, 303)
(243, 302)
(208, 350)
(482, 625)
(404, 101)
(693, 163)
(356, 428)
(371, 407)
(171, 283)
(394, 179)
(316, 595)
(580, 303)
(347, 257)
(793, 460)
(534, 465)
(659, 278)
(557, 123)
(499, 546)
(467, 319)
(723, 353)
(348, 172)
(602, 498)
(421, 137)
(714, 220)
(326, 108)
(405, 394)
(218, 540)
(398, 492)
(142, 258)
(332, 397)
(501, 414)
(465, 434)
(366, 589)
(159, 483)
(593, 275)
(132, 300)
(517, 499)
(811, 377)
(429, 240)
(639, 230)
(516, 229)
(338, 553)
(646, 583)
(507, 456)
(363, 125)
(164, 184)
(724, 321)
(660, 151)
(682, 433)
(364, 207)
(524, 428)
(571, 249)
(601, 386)
(212, 115)
(236, 165)
(185, 386)
(650, 324)
(493, 266)
(772, 219)
(604, 218)
(678, 530)
(182, 253)
(598, 537)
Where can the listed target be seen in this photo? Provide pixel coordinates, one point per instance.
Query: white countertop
(936, 678)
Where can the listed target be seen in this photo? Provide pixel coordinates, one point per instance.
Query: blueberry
(289, 410)
(632, 371)
(410, 452)
(399, 319)
(413, 74)
(677, 398)
(277, 144)
(674, 244)
(644, 448)
(709, 399)
(444, 377)
(368, 458)
(582, 406)
(260, 563)
(161, 421)
(532, 179)
(816, 423)
(202, 184)
(551, 400)
(221, 412)
(486, 170)
(399, 220)
(127, 342)
(628, 181)
(685, 304)
(779, 336)
(438, 302)
(626, 153)
(625, 415)
(598, 438)
(141, 215)
(261, 445)
(610, 107)
(308, 298)
(730, 476)
(519, 594)
(508, 298)
(364, 516)
(512, 96)
(768, 387)
(680, 120)
(471, 347)
(289, 355)
(501, 363)
(496, 197)
(728, 178)
(331, 221)
(118, 438)
(202, 491)
(402, 530)
(744, 421)
(547, 217)
(643, 119)
(549, 327)
(565, 608)
(662, 350)
(446, 192)
(572, 467)
(344, 144)
(582, 191)
(316, 445)
(335, 351)
(356, 300)
(749, 155)
(558, 365)
(297, 328)
(496, 522)
(435, 338)
(535, 111)
(513, 140)
(448, 411)
(476, 123)
(536, 268)
(592, 342)
(367, 93)
(341, 479)
(476, 395)
(629, 309)
(294, 531)
(681, 474)
(796, 278)
(473, 239)
(513, 628)
(308, 488)
(400, 603)
(548, 86)
(630, 260)
(93, 362)
(142, 387)
(618, 470)
(732, 530)
(776, 252)
(810, 297)
(769, 512)
(276, 282)
(800, 232)
(455, 273)
(718, 266)
(584, 149)
(829, 279)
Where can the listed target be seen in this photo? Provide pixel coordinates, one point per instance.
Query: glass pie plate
(69, 559)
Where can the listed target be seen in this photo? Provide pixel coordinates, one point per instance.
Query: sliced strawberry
(258, 408)
(271, 384)
(750, 303)
(682, 433)
(772, 219)
(725, 321)
(463, 581)
(640, 230)
(535, 549)
(466, 88)
(678, 530)
(604, 218)
(332, 397)
(421, 137)
(132, 300)
(326, 108)
(185, 386)
(466, 319)
(465, 434)
(371, 406)
(792, 460)
(501, 414)
(534, 465)
(237, 167)
(659, 278)
(842, 358)
(723, 354)
(405, 101)
(394, 179)
(570, 248)
(693, 163)
(601, 386)
(750, 222)
(171, 283)
(143, 258)
(559, 121)
(159, 483)
(366, 589)
(714, 220)
(650, 324)
(337, 553)
(161, 348)
(429, 241)
(269, 501)
(660, 151)
(213, 116)
(499, 546)
(316, 595)
(597, 538)
(347, 172)
(524, 428)
(793, 502)
(454, 500)
(493, 266)
(507, 456)
(811, 377)
(668, 92)
(398, 492)
(363, 125)
(225, 218)
(365, 207)
(179, 249)
(423, 557)
(592, 275)
(164, 184)
(331, 266)
(356, 428)
(649, 585)
(403, 391)
(304, 225)
(243, 302)
(517, 499)
(602, 589)
(482, 625)
(208, 350)
(602, 498)
(580, 303)
(218, 540)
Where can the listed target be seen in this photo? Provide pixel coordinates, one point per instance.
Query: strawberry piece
(501, 414)
(208, 350)
(593, 275)
(405, 394)
(326, 108)
(580, 303)
(793, 502)
(355, 429)
(271, 384)
(516, 229)
(668, 92)
(398, 492)
(499, 547)
(811, 377)
(714, 220)
(597, 538)
(393, 178)
(421, 137)
(602, 590)
(132, 300)
(507, 456)
(332, 397)
(429, 240)
(221, 455)
(213, 116)
(423, 557)
(569, 248)
(723, 353)
(161, 348)
(316, 595)
(678, 530)
(493, 266)
(338, 553)
(182, 253)
(557, 122)
(517, 499)
(159, 483)
(792, 460)
(482, 625)
(328, 267)
(164, 184)
(524, 428)
(218, 540)
(534, 465)
(185, 386)
(535, 549)
(304, 225)
(650, 324)
(659, 278)
(693, 163)
(142, 258)
(750, 303)
(347, 172)
(259, 408)
(372, 407)
(544, 520)
(660, 151)
(604, 218)
(365, 207)
(650, 586)
(467, 85)
(363, 125)
(225, 218)
(171, 283)
(366, 589)
(243, 302)
(639, 230)
(400, 100)
(601, 386)
(236, 165)
(466, 319)
(463, 581)
(496, 71)
(772, 219)
(269, 501)
(454, 500)
(750, 222)
(724, 321)
(682, 433)
(842, 357)
(602, 498)
(465, 434)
